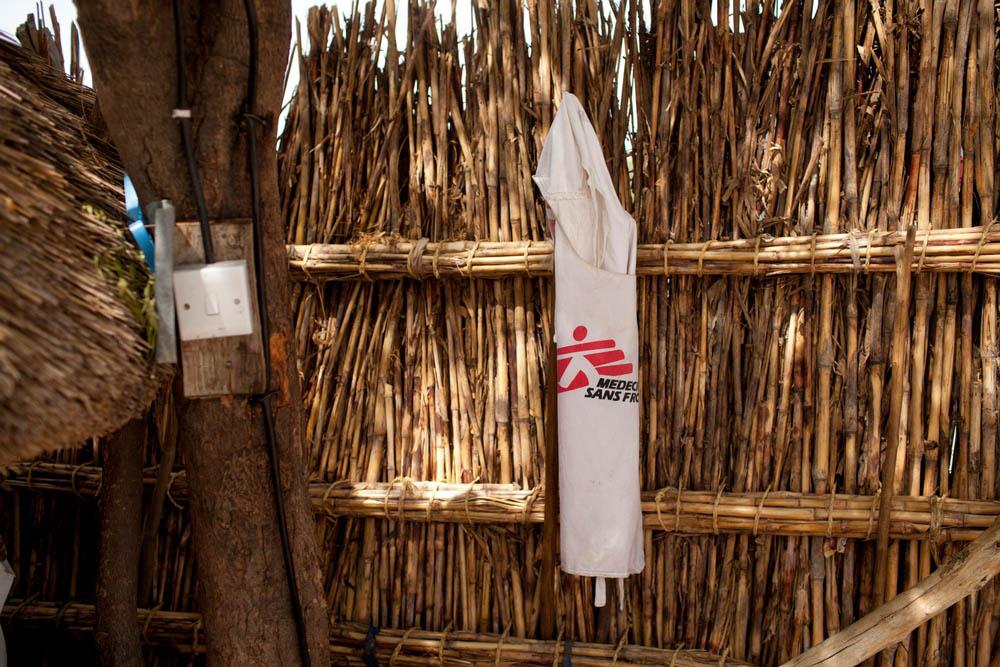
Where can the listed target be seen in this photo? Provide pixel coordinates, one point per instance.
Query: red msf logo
(585, 360)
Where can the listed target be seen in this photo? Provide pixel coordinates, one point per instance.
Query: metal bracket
(162, 214)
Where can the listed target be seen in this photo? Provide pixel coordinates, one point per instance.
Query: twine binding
(979, 245)
(195, 631)
(362, 268)
(529, 502)
(444, 638)
(72, 480)
(677, 653)
(414, 260)
(619, 647)
(434, 261)
(873, 512)
(868, 250)
(399, 647)
(923, 252)
(506, 631)
(852, 244)
(465, 497)
(149, 619)
(760, 508)
(470, 258)
(659, 515)
(701, 258)
(305, 263)
(556, 648)
(431, 501)
(170, 485)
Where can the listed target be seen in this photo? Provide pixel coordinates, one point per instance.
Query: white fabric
(597, 346)
(6, 582)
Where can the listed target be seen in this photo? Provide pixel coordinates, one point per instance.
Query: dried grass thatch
(74, 312)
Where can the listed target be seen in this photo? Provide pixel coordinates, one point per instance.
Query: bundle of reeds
(973, 250)
(351, 643)
(835, 516)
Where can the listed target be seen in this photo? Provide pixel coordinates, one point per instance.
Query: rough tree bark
(243, 591)
(117, 631)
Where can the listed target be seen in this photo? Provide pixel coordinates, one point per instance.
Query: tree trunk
(117, 630)
(243, 588)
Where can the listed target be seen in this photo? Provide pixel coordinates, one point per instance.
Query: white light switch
(213, 300)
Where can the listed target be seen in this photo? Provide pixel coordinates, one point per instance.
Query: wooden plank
(221, 366)
(891, 623)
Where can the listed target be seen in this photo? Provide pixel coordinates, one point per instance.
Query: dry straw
(75, 302)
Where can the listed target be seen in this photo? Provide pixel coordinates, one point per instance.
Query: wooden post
(900, 351)
(889, 624)
(551, 525)
(116, 631)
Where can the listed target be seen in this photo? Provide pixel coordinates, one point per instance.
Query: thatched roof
(74, 359)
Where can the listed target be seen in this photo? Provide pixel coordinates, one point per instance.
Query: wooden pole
(116, 632)
(889, 624)
(899, 351)
(551, 524)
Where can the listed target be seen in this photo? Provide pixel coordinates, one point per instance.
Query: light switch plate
(213, 300)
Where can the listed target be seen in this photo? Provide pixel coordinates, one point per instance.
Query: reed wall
(774, 386)
(800, 120)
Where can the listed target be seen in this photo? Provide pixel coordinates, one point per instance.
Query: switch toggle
(211, 305)
(213, 300)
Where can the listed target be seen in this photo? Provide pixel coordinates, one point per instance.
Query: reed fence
(793, 330)
(796, 144)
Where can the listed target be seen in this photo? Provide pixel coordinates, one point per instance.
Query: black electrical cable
(265, 400)
(183, 115)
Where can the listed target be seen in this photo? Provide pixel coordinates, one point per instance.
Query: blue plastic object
(145, 242)
(137, 224)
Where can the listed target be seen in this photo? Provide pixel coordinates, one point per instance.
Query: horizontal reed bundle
(183, 632)
(975, 249)
(687, 512)
(177, 630)
(420, 647)
(670, 510)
